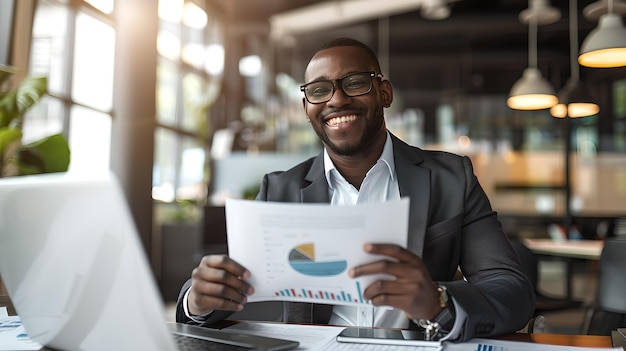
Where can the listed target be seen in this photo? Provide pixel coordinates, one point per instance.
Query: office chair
(609, 311)
(544, 302)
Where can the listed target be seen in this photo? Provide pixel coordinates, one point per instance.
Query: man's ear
(386, 93)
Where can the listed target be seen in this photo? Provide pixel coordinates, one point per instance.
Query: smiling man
(452, 227)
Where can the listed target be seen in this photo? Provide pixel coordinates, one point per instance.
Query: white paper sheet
(505, 345)
(13, 337)
(302, 252)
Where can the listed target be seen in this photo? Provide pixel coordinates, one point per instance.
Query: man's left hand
(412, 290)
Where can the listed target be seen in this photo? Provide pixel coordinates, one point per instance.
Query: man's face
(347, 125)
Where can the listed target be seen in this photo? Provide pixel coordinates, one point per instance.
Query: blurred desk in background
(567, 250)
(581, 249)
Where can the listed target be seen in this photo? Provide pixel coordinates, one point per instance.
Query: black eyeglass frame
(339, 83)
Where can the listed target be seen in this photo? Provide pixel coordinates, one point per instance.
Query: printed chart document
(13, 336)
(302, 252)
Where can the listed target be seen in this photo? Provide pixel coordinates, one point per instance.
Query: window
(189, 73)
(80, 78)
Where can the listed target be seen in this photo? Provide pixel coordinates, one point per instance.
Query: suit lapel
(317, 190)
(408, 172)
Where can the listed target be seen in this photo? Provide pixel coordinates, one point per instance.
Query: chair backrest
(612, 284)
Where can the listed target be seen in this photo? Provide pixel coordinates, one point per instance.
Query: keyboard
(187, 343)
(189, 337)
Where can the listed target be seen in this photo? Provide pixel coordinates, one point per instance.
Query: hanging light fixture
(593, 11)
(605, 46)
(532, 91)
(574, 100)
(435, 10)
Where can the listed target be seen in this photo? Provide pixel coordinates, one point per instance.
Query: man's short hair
(351, 42)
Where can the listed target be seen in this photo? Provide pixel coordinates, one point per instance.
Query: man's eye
(319, 90)
(355, 84)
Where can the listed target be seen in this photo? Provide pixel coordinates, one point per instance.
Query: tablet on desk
(385, 337)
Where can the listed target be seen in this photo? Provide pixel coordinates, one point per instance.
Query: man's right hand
(218, 283)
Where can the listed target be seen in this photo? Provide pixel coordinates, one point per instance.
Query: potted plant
(49, 154)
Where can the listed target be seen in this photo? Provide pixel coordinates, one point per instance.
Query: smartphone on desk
(385, 337)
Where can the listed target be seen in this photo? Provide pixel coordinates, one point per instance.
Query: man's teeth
(339, 120)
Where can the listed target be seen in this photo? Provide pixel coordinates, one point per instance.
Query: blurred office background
(189, 102)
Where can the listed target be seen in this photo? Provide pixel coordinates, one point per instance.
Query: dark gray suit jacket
(451, 225)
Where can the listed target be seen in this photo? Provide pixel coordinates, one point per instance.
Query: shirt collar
(386, 157)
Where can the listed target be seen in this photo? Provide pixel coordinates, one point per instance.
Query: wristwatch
(443, 322)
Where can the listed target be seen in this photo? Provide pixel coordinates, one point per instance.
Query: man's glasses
(354, 84)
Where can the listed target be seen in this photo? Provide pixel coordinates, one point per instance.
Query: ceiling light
(605, 46)
(325, 14)
(540, 11)
(574, 100)
(593, 11)
(532, 91)
(435, 10)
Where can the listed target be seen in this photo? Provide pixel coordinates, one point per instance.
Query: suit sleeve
(181, 316)
(495, 294)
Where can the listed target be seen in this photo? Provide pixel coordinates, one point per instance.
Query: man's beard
(372, 128)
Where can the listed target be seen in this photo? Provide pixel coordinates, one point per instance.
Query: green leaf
(8, 108)
(10, 139)
(30, 92)
(15, 103)
(7, 137)
(51, 154)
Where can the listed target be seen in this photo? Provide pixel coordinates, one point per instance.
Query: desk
(560, 339)
(567, 250)
(548, 339)
(581, 249)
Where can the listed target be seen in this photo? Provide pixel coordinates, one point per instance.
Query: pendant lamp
(605, 46)
(532, 91)
(574, 100)
(593, 11)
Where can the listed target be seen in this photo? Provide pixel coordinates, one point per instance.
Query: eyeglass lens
(352, 85)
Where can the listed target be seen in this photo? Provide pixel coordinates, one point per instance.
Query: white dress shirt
(380, 184)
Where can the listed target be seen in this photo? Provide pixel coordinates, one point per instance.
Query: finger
(399, 253)
(205, 297)
(216, 303)
(226, 263)
(229, 288)
(401, 302)
(413, 298)
(398, 301)
(401, 272)
(217, 279)
(389, 287)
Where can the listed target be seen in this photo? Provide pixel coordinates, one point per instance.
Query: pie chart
(302, 259)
